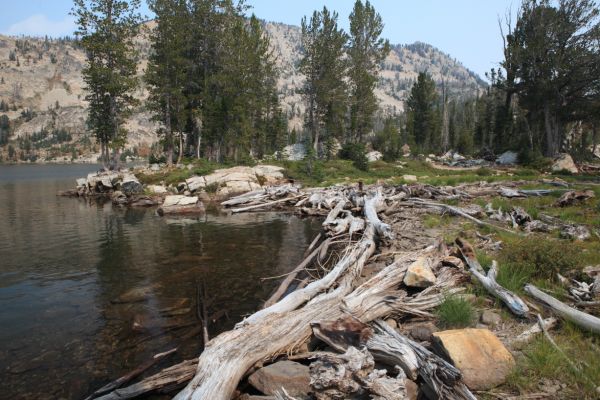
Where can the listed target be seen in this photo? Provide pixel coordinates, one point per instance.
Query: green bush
(484, 172)
(541, 258)
(455, 312)
(357, 154)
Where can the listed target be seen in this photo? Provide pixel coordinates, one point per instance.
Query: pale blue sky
(465, 29)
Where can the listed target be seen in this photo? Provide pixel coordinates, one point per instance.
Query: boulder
(374, 156)
(405, 150)
(507, 158)
(130, 185)
(179, 200)
(490, 318)
(458, 157)
(118, 197)
(479, 355)
(422, 332)
(81, 182)
(451, 261)
(564, 162)
(195, 182)
(292, 376)
(409, 178)
(154, 167)
(419, 274)
(236, 180)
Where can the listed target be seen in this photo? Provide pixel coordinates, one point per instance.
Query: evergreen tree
(423, 113)
(106, 29)
(366, 51)
(324, 66)
(168, 68)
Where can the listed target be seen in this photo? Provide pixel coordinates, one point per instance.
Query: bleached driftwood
(511, 300)
(580, 318)
(371, 207)
(263, 205)
(534, 330)
(228, 356)
(174, 377)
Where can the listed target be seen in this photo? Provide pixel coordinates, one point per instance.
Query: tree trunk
(169, 132)
(552, 132)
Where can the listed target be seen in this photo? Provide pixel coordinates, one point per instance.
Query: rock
(564, 162)
(412, 390)
(409, 178)
(294, 152)
(157, 189)
(458, 157)
(419, 274)
(81, 182)
(575, 232)
(374, 156)
(490, 318)
(451, 261)
(391, 323)
(481, 358)
(118, 198)
(507, 158)
(179, 200)
(130, 185)
(292, 376)
(422, 332)
(405, 150)
(101, 182)
(136, 294)
(154, 167)
(539, 226)
(236, 180)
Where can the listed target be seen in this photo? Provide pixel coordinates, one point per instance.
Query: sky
(466, 29)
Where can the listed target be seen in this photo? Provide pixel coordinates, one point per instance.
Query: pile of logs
(334, 306)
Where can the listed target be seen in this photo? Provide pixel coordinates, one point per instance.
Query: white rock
(157, 189)
(179, 200)
(409, 178)
(564, 162)
(81, 182)
(374, 156)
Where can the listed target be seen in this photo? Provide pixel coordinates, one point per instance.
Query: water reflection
(88, 291)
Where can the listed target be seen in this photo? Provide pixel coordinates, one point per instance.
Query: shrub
(455, 312)
(357, 154)
(541, 258)
(484, 171)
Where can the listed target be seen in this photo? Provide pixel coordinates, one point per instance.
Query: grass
(455, 312)
(540, 360)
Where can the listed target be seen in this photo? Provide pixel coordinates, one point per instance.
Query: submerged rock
(479, 355)
(292, 376)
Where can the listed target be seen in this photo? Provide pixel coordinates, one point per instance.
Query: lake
(89, 291)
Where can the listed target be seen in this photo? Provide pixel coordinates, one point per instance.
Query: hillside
(40, 80)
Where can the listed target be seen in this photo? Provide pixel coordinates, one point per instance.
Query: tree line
(543, 99)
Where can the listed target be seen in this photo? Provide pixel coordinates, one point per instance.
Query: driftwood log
(580, 318)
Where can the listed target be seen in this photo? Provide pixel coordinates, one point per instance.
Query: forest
(212, 81)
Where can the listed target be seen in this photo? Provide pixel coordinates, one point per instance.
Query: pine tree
(324, 66)
(168, 68)
(106, 29)
(423, 113)
(366, 51)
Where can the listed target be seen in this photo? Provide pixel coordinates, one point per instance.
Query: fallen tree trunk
(580, 318)
(511, 300)
(263, 205)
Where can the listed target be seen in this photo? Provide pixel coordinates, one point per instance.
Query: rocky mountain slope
(44, 77)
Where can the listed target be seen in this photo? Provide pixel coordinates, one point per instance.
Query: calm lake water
(89, 291)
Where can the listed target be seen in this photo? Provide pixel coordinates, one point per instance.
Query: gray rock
(292, 376)
(507, 158)
(130, 185)
(154, 167)
(409, 178)
(179, 200)
(490, 318)
(81, 182)
(422, 332)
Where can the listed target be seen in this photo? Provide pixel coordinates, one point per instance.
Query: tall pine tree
(366, 51)
(106, 29)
